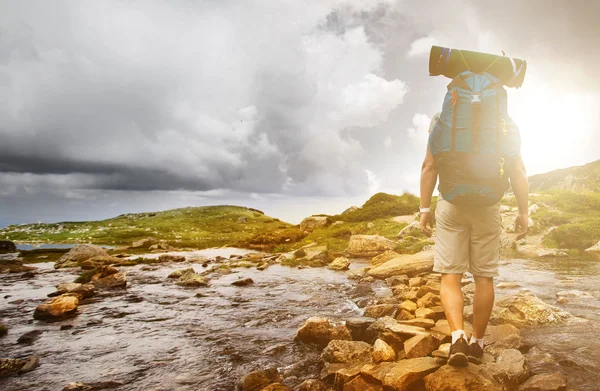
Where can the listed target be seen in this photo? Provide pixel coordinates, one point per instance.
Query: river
(159, 336)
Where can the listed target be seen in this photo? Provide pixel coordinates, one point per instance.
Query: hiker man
(468, 219)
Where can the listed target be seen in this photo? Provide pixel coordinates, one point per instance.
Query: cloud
(420, 131)
(421, 46)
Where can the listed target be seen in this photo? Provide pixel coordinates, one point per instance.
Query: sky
(290, 107)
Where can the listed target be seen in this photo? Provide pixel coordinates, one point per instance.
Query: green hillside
(578, 178)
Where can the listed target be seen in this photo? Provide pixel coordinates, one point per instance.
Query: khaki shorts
(467, 239)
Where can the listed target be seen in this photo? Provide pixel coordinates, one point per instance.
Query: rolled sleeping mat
(451, 62)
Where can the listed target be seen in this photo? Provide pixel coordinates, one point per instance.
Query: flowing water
(156, 335)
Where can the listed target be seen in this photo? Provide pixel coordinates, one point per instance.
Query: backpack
(474, 142)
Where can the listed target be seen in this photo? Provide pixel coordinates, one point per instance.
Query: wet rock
(30, 337)
(358, 327)
(6, 246)
(420, 346)
(510, 369)
(28, 275)
(77, 386)
(358, 273)
(320, 331)
(3, 330)
(257, 380)
(523, 309)
(314, 385)
(380, 310)
(546, 382)
(171, 258)
(180, 272)
(110, 281)
(541, 361)
(397, 280)
(243, 282)
(361, 384)
(384, 257)
(407, 374)
(79, 254)
(471, 378)
(66, 327)
(32, 363)
(513, 341)
(311, 223)
(496, 333)
(10, 366)
(11, 263)
(383, 352)
(340, 263)
(347, 352)
(368, 245)
(277, 387)
(409, 265)
(84, 291)
(192, 279)
(61, 307)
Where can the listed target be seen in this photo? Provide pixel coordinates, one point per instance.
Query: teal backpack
(474, 142)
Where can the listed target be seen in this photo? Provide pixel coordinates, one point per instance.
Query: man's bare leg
(452, 300)
(483, 302)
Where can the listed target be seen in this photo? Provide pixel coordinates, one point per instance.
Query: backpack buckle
(476, 98)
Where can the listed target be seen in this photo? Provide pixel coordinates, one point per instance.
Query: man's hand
(521, 225)
(426, 220)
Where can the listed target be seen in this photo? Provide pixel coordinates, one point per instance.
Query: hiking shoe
(458, 353)
(475, 353)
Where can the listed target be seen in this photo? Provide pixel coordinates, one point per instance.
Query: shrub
(580, 235)
(382, 205)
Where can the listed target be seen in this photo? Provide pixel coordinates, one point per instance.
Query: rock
(390, 327)
(496, 333)
(380, 310)
(368, 245)
(429, 300)
(406, 264)
(277, 387)
(383, 352)
(541, 361)
(546, 382)
(397, 280)
(507, 285)
(404, 315)
(10, 366)
(384, 257)
(314, 385)
(425, 289)
(510, 369)
(313, 222)
(242, 219)
(358, 273)
(361, 384)
(144, 243)
(6, 246)
(413, 229)
(420, 346)
(595, 249)
(340, 263)
(320, 331)
(192, 280)
(471, 378)
(80, 254)
(416, 282)
(171, 258)
(61, 307)
(443, 327)
(358, 327)
(523, 309)
(425, 313)
(443, 351)
(347, 352)
(419, 322)
(409, 306)
(32, 363)
(243, 282)
(108, 279)
(316, 253)
(257, 380)
(83, 290)
(30, 337)
(345, 375)
(513, 341)
(3, 330)
(407, 373)
(180, 272)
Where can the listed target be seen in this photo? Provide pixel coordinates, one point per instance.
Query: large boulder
(109, 277)
(61, 307)
(524, 309)
(347, 352)
(84, 291)
(144, 243)
(409, 265)
(10, 366)
(509, 370)
(413, 229)
(471, 378)
(192, 279)
(80, 254)
(407, 373)
(257, 380)
(180, 272)
(368, 245)
(383, 352)
(384, 257)
(320, 331)
(545, 382)
(6, 246)
(313, 222)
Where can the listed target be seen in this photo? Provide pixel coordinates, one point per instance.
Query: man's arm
(520, 186)
(429, 176)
